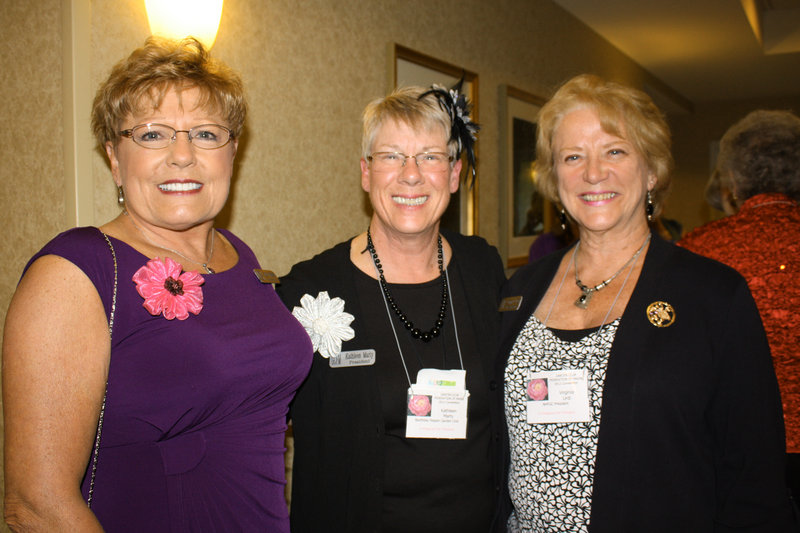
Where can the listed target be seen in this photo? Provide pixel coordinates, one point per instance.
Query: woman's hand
(55, 363)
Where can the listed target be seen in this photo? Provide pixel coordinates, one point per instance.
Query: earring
(562, 218)
(120, 195)
(649, 208)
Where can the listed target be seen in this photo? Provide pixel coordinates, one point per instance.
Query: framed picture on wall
(415, 68)
(524, 213)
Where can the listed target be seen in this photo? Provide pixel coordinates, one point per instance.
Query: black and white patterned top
(552, 465)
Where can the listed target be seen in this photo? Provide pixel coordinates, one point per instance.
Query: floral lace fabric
(762, 242)
(552, 465)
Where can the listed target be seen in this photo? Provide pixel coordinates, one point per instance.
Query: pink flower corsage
(169, 291)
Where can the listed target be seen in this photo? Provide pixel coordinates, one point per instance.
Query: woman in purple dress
(147, 370)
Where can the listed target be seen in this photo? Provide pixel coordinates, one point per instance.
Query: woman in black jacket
(639, 390)
(392, 428)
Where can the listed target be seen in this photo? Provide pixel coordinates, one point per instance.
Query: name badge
(266, 276)
(353, 358)
(558, 396)
(510, 303)
(437, 405)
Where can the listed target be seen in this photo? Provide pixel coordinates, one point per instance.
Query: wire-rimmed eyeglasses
(157, 136)
(430, 161)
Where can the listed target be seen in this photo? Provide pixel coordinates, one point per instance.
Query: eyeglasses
(428, 161)
(157, 136)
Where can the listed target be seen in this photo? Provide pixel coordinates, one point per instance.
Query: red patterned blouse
(762, 242)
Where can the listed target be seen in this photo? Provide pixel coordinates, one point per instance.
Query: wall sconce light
(176, 19)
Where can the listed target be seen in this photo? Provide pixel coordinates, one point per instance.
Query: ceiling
(706, 50)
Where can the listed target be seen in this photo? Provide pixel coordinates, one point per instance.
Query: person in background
(146, 369)
(639, 390)
(557, 237)
(392, 428)
(759, 163)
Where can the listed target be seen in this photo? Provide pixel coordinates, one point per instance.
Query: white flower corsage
(326, 322)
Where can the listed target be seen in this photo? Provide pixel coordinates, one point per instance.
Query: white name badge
(352, 358)
(437, 405)
(558, 396)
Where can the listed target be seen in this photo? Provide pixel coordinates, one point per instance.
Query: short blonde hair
(144, 78)
(404, 105)
(625, 112)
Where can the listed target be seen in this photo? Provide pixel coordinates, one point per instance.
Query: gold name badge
(510, 303)
(266, 276)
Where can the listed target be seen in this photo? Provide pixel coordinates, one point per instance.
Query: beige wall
(310, 66)
(31, 155)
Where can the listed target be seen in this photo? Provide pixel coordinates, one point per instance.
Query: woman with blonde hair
(146, 369)
(639, 391)
(392, 428)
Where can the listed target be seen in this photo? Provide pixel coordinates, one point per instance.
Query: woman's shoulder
(539, 270)
(471, 243)
(706, 238)
(325, 269)
(330, 258)
(476, 249)
(682, 255)
(88, 249)
(77, 245)
(77, 237)
(476, 259)
(688, 267)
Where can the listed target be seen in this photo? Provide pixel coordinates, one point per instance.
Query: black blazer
(691, 434)
(337, 477)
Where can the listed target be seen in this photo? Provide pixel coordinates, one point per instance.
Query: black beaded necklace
(425, 336)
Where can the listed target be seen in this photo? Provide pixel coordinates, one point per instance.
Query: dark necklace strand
(417, 333)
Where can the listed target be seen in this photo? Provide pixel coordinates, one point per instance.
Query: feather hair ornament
(463, 130)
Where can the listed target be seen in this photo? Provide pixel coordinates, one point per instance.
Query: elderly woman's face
(408, 200)
(602, 179)
(179, 186)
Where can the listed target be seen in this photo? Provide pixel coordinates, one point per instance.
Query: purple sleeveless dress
(193, 437)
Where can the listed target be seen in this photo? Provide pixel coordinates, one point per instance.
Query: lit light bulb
(177, 19)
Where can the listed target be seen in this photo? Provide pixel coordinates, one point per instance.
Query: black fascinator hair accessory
(463, 130)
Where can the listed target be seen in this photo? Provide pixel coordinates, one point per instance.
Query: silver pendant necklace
(208, 269)
(587, 292)
(603, 323)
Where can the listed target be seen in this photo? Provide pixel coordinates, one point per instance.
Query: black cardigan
(337, 477)
(691, 433)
